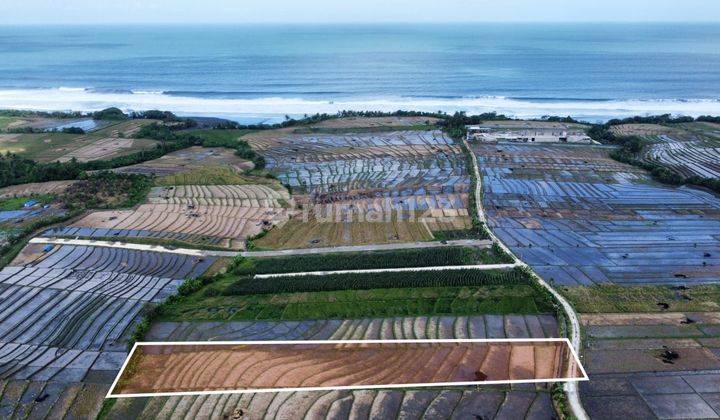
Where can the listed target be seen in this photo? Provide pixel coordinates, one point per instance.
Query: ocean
(254, 73)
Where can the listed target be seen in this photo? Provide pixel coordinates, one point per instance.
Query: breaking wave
(276, 107)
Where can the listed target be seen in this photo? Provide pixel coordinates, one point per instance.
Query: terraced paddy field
(107, 142)
(162, 368)
(66, 314)
(690, 149)
(207, 215)
(520, 401)
(580, 218)
(360, 187)
(652, 365)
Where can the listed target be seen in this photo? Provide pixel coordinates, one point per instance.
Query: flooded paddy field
(580, 218)
(689, 149)
(517, 401)
(414, 182)
(67, 314)
(654, 365)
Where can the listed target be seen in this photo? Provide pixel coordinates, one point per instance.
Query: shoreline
(274, 109)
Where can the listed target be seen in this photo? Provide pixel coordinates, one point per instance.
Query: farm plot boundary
(568, 362)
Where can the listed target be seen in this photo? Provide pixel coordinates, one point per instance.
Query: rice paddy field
(518, 401)
(66, 315)
(203, 198)
(580, 218)
(652, 365)
(251, 366)
(366, 185)
(689, 149)
(637, 259)
(104, 143)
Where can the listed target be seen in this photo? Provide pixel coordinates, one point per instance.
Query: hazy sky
(268, 11)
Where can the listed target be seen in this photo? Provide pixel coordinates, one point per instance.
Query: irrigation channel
(571, 388)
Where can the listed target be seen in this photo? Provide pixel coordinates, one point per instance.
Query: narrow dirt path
(571, 388)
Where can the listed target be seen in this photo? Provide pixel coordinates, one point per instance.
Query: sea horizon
(263, 72)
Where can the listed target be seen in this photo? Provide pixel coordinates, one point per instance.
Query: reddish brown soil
(189, 368)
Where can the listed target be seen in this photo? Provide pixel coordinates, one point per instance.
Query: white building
(533, 135)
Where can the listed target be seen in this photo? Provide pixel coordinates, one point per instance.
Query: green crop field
(364, 281)
(617, 299)
(205, 305)
(423, 257)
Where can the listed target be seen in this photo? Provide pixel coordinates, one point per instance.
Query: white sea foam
(78, 99)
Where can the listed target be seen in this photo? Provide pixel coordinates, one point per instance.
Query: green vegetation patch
(618, 299)
(422, 257)
(206, 305)
(364, 281)
(214, 175)
(18, 203)
(219, 138)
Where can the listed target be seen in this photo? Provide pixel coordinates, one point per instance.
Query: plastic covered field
(579, 217)
(397, 175)
(652, 365)
(67, 315)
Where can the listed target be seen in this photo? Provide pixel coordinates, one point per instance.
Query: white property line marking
(133, 246)
(393, 270)
(575, 358)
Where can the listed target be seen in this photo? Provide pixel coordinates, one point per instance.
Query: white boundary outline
(350, 387)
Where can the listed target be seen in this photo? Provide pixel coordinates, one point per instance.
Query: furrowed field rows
(225, 367)
(688, 158)
(423, 327)
(416, 179)
(490, 402)
(66, 314)
(578, 217)
(689, 149)
(219, 195)
(216, 215)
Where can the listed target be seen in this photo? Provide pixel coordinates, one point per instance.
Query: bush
(112, 114)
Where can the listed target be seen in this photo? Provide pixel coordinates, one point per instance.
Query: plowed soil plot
(217, 215)
(211, 367)
(187, 160)
(579, 217)
(652, 365)
(409, 177)
(66, 315)
(517, 401)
